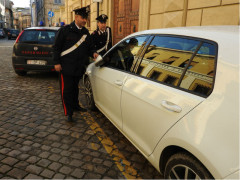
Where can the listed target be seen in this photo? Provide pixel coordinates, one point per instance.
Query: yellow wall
(172, 13)
(104, 8)
(163, 13)
(49, 5)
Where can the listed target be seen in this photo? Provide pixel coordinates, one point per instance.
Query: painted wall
(173, 13)
(162, 13)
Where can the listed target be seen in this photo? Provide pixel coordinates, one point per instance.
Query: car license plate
(13, 34)
(37, 62)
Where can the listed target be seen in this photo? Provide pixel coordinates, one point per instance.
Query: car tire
(180, 163)
(9, 38)
(90, 103)
(21, 73)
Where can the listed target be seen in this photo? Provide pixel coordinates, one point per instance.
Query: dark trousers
(69, 93)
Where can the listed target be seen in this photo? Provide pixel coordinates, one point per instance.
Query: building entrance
(126, 15)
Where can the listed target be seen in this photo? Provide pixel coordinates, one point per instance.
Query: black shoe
(70, 119)
(79, 108)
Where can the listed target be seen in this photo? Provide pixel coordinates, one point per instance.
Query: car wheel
(21, 73)
(9, 38)
(89, 94)
(185, 166)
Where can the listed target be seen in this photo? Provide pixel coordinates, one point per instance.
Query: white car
(174, 93)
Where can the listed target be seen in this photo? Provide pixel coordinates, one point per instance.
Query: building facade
(40, 12)
(6, 14)
(44, 9)
(22, 18)
(172, 13)
(15, 19)
(2, 14)
(33, 12)
(128, 16)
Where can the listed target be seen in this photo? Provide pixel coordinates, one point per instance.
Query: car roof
(197, 31)
(227, 38)
(41, 27)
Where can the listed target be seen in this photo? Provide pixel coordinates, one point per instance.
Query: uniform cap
(82, 12)
(102, 18)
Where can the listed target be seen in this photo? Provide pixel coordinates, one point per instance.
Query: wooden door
(126, 14)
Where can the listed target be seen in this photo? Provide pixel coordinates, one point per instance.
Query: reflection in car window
(168, 58)
(200, 74)
(124, 54)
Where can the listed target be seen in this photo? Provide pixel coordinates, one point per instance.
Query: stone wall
(175, 13)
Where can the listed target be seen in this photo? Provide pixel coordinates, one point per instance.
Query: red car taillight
(19, 37)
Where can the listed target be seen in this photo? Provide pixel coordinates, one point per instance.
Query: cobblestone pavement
(36, 141)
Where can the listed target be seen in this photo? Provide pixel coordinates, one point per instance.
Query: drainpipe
(185, 9)
(97, 9)
(97, 1)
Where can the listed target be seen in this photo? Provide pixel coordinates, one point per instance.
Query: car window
(167, 60)
(125, 53)
(14, 31)
(200, 72)
(38, 37)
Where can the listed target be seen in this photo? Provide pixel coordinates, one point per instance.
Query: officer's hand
(58, 67)
(95, 55)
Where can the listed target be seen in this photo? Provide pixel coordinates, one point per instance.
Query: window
(57, 1)
(169, 60)
(124, 55)
(200, 73)
(38, 37)
(89, 18)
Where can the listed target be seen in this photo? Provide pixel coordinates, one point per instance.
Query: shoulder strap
(106, 45)
(75, 46)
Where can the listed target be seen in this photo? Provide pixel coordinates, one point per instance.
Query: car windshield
(38, 36)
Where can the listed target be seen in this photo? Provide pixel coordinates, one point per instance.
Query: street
(36, 141)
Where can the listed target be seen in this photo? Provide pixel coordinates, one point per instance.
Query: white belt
(75, 46)
(105, 47)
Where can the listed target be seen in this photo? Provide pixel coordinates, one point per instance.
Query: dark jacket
(99, 40)
(73, 63)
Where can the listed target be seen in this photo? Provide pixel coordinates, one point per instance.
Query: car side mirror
(99, 61)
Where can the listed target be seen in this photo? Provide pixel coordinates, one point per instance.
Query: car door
(174, 76)
(110, 78)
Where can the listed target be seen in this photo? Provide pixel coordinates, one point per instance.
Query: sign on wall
(50, 14)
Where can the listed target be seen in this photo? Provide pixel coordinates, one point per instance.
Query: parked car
(2, 34)
(33, 50)
(174, 93)
(13, 33)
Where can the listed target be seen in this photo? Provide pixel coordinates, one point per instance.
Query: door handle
(171, 106)
(118, 82)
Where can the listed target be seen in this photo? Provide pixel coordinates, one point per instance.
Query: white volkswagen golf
(174, 93)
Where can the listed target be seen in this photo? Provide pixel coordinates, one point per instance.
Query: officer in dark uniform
(102, 36)
(72, 49)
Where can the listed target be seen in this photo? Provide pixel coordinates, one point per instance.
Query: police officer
(72, 49)
(102, 36)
